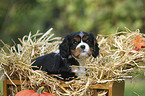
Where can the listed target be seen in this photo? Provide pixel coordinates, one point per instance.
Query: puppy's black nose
(82, 46)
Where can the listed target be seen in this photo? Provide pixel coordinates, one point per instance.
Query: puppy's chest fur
(80, 70)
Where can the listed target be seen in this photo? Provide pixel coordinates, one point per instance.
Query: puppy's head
(79, 44)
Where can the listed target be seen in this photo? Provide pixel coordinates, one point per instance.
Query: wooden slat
(99, 86)
(114, 88)
(5, 91)
(16, 82)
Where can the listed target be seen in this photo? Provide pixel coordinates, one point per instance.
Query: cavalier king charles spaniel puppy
(73, 50)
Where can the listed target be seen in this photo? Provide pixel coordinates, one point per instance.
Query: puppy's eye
(75, 42)
(87, 40)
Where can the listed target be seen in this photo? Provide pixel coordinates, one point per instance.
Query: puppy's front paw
(68, 76)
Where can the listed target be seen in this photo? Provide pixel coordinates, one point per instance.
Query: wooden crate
(7, 83)
(115, 88)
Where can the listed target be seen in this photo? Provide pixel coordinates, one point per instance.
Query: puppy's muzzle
(83, 47)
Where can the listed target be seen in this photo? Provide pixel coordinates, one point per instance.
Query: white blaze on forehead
(81, 35)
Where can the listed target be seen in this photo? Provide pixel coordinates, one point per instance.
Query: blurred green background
(19, 17)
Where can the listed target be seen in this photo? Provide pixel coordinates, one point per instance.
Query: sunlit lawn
(1, 86)
(132, 88)
(135, 88)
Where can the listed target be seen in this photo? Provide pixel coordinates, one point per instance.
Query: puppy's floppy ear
(64, 47)
(95, 52)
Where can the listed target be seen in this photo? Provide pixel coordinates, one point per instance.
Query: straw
(116, 61)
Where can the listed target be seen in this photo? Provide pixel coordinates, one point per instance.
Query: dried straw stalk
(117, 60)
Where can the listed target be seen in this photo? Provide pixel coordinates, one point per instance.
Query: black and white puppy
(73, 50)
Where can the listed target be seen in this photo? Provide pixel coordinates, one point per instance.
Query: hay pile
(116, 61)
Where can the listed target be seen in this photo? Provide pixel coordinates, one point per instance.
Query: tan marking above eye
(85, 38)
(77, 39)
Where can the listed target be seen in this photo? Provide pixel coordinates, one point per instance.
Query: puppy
(73, 50)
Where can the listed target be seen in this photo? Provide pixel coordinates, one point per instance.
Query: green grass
(135, 88)
(132, 88)
(1, 86)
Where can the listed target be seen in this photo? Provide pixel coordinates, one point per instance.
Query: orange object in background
(138, 43)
